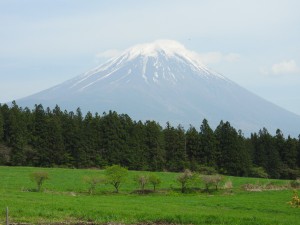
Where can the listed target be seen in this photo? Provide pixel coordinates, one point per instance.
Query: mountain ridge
(164, 81)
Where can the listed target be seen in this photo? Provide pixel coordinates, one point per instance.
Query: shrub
(39, 177)
(115, 175)
(211, 180)
(228, 184)
(142, 180)
(93, 181)
(154, 180)
(295, 202)
(185, 179)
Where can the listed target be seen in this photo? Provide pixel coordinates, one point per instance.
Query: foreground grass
(65, 199)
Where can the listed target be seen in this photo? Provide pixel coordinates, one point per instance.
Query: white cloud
(108, 53)
(232, 57)
(205, 58)
(217, 57)
(281, 68)
(285, 67)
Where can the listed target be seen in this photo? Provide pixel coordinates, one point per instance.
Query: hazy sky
(254, 43)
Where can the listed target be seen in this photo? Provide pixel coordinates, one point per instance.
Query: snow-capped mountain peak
(164, 81)
(162, 61)
(167, 47)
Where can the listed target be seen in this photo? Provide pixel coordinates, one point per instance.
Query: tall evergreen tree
(298, 158)
(192, 147)
(114, 139)
(154, 142)
(279, 144)
(289, 159)
(259, 156)
(54, 142)
(270, 159)
(175, 148)
(137, 144)
(1, 125)
(126, 133)
(16, 135)
(208, 145)
(39, 136)
(233, 158)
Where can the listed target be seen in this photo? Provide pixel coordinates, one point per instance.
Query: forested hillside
(52, 137)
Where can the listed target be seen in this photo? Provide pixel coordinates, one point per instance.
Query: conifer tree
(54, 141)
(17, 134)
(268, 153)
(193, 147)
(233, 157)
(298, 158)
(1, 126)
(39, 136)
(154, 143)
(175, 148)
(208, 145)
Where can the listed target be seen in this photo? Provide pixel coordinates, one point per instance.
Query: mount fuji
(163, 81)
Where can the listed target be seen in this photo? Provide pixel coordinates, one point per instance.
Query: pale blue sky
(254, 43)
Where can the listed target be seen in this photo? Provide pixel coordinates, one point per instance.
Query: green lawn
(65, 198)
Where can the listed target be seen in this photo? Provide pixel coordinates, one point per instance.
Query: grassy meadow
(65, 198)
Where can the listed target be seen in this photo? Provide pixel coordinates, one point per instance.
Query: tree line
(52, 137)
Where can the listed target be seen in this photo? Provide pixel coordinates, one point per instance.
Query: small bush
(211, 180)
(39, 177)
(228, 184)
(93, 181)
(295, 202)
(185, 179)
(142, 181)
(154, 180)
(115, 175)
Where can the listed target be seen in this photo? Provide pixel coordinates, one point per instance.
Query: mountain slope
(166, 82)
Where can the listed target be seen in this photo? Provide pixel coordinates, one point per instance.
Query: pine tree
(192, 147)
(289, 159)
(16, 135)
(268, 154)
(137, 144)
(89, 141)
(233, 157)
(289, 155)
(54, 140)
(175, 148)
(114, 144)
(208, 145)
(279, 144)
(298, 158)
(125, 135)
(154, 143)
(259, 156)
(1, 125)
(39, 136)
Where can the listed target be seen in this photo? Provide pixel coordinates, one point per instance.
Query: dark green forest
(55, 138)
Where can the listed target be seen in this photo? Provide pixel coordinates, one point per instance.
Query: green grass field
(65, 199)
